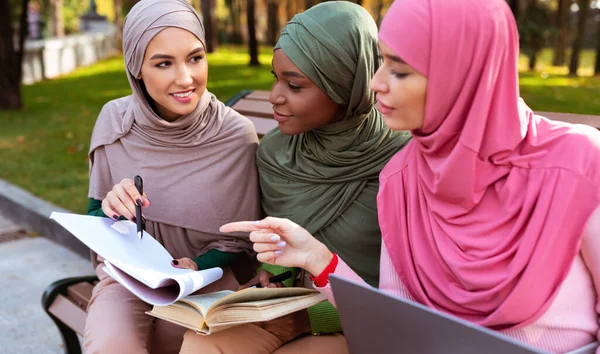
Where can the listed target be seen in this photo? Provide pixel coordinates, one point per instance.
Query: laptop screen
(376, 322)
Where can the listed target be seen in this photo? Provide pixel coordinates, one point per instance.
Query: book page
(256, 294)
(172, 290)
(225, 316)
(204, 301)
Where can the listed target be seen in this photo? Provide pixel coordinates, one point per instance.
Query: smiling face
(300, 105)
(175, 72)
(401, 92)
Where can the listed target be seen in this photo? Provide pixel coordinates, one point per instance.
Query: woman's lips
(280, 117)
(183, 96)
(383, 108)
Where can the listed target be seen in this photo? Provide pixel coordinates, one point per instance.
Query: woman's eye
(399, 75)
(294, 87)
(163, 64)
(196, 58)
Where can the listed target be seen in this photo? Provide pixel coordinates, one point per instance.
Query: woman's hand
(184, 263)
(282, 242)
(261, 278)
(121, 200)
(288, 327)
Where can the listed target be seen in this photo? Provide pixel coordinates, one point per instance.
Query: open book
(210, 313)
(142, 266)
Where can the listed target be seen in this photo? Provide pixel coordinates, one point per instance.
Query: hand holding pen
(275, 279)
(266, 279)
(139, 185)
(123, 199)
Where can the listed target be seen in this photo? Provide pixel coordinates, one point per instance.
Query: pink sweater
(571, 321)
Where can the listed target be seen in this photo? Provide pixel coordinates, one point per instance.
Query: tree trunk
(300, 5)
(514, 6)
(58, 23)
(562, 31)
(235, 13)
(210, 24)
(291, 9)
(378, 12)
(272, 21)
(252, 43)
(118, 14)
(597, 67)
(584, 7)
(236, 17)
(127, 5)
(11, 58)
(532, 61)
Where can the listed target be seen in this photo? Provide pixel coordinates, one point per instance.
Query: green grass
(43, 148)
(549, 88)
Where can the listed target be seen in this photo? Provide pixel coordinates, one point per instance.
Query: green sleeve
(323, 317)
(95, 208)
(274, 269)
(215, 258)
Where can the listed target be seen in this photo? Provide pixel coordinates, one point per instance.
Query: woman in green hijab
(320, 167)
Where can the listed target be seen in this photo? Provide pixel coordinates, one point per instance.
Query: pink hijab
(483, 213)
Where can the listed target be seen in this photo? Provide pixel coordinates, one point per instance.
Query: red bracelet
(323, 279)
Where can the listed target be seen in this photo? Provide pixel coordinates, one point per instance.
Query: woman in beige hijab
(197, 159)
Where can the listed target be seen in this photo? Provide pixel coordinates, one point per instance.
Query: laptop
(376, 322)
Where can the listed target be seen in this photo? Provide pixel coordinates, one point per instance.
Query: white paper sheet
(142, 266)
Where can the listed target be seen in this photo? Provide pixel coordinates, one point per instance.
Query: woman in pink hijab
(490, 213)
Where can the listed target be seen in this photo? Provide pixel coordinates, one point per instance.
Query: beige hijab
(199, 171)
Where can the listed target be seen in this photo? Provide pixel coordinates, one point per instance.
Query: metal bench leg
(70, 340)
(69, 337)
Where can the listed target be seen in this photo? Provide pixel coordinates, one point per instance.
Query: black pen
(139, 184)
(276, 279)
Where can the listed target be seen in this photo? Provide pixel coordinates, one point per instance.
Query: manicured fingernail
(256, 222)
(116, 217)
(281, 244)
(274, 238)
(278, 252)
(139, 202)
(175, 262)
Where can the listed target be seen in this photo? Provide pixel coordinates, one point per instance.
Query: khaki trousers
(252, 339)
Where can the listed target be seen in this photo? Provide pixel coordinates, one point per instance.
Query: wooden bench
(66, 300)
(255, 106)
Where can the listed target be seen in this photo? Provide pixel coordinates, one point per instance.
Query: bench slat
(257, 108)
(80, 294)
(69, 313)
(261, 95)
(262, 125)
(593, 121)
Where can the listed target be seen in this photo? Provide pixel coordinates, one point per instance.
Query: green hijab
(327, 179)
